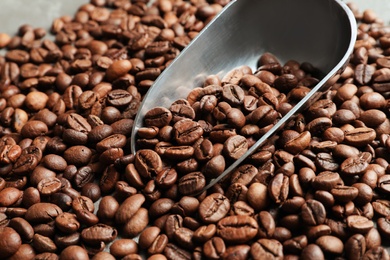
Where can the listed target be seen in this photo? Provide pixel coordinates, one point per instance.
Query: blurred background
(40, 13)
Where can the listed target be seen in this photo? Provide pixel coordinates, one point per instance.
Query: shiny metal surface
(321, 32)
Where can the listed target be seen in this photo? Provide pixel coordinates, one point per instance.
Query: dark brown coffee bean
(148, 163)
(381, 207)
(312, 251)
(67, 240)
(34, 128)
(183, 237)
(160, 207)
(330, 244)
(74, 251)
(360, 136)
(158, 117)
(204, 233)
(10, 241)
(67, 223)
(182, 110)
(266, 224)
(128, 208)
(356, 165)
(215, 166)
(25, 251)
(382, 183)
(49, 186)
(112, 141)
(78, 155)
(24, 229)
(43, 244)
(237, 229)
(344, 194)
(315, 232)
(78, 123)
(137, 223)
(100, 132)
(214, 248)
(313, 212)
(166, 178)
(123, 247)
(213, 208)
(42, 212)
(233, 94)
(97, 233)
(364, 73)
(378, 252)
(278, 188)
(9, 196)
(148, 236)
(326, 180)
(266, 249)
(257, 196)
(172, 223)
(235, 147)
(172, 251)
(191, 183)
(108, 207)
(359, 224)
(186, 132)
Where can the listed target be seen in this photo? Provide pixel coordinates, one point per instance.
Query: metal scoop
(321, 32)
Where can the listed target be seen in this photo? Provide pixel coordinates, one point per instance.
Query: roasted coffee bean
(24, 229)
(158, 117)
(148, 162)
(330, 244)
(186, 132)
(172, 251)
(359, 224)
(108, 207)
(42, 212)
(278, 188)
(313, 212)
(312, 251)
(213, 208)
(344, 194)
(9, 196)
(43, 243)
(49, 186)
(137, 223)
(204, 233)
(10, 241)
(98, 233)
(266, 224)
(160, 207)
(128, 208)
(67, 240)
(214, 248)
(326, 180)
(191, 183)
(237, 229)
(123, 247)
(57, 143)
(74, 251)
(257, 196)
(266, 249)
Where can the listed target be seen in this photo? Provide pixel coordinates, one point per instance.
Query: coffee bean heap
(66, 111)
(69, 187)
(197, 138)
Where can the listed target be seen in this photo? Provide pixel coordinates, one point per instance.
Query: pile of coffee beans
(70, 189)
(197, 138)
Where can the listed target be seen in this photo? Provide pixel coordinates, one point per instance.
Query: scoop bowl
(321, 32)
